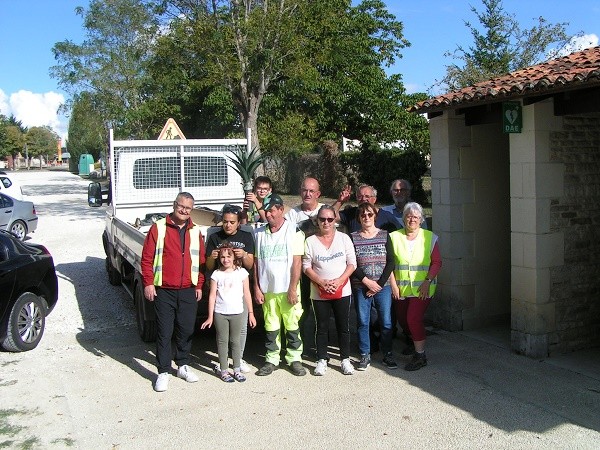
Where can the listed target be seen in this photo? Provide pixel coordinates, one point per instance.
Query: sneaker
(365, 361)
(162, 382)
(321, 368)
(267, 369)
(388, 361)
(297, 369)
(244, 367)
(186, 374)
(347, 367)
(419, 360)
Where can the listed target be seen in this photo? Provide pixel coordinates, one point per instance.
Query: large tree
(111, 63)
(500, 45)
(41, 141)
(244, 45)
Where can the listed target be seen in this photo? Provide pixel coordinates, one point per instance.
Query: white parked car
(9, 187)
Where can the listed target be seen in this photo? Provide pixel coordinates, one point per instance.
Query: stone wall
(575, 287)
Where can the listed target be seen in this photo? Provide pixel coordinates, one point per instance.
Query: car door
(6, 211)
(8, 275)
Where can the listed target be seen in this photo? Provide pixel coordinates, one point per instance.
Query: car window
(5, 202)
(6, 182)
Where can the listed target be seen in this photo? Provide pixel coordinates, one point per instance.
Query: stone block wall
(575, 286)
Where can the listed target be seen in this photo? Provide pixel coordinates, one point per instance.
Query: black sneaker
(267, 369)
(419, 360)
(388, 361)
(365, 361)
(297, 369)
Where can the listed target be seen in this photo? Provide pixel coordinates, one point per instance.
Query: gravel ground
(89, 383)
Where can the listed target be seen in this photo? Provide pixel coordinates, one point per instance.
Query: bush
(379, 167)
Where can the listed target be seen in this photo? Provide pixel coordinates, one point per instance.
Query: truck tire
(114, 277)
(146, 328)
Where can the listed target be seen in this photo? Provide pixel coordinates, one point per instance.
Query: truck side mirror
(94, 194)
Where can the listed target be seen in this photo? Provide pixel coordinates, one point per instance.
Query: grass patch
(10, 430)
(66, 441)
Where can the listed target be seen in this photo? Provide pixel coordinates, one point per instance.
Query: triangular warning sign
(170, 131)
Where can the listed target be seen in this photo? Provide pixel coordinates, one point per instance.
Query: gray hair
(401, 180)
(185, 195)
(373, 190)
(412, 207)
(327, 208)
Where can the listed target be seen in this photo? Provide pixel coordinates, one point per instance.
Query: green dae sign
(512, 117)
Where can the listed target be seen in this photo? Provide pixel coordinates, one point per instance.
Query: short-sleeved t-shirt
(230, 290)
(241, 239)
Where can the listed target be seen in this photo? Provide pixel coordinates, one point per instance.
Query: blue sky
(29, 29)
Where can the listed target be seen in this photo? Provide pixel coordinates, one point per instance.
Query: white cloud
(35, 110)
(576, 44)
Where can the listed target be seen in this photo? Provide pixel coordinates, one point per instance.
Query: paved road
(89, 383)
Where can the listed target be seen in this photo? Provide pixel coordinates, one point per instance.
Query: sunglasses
(367, 214)
(231, 209)
(326, 219)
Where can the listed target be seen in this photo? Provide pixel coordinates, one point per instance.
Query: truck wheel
(114, 277)
(26, 323)
(146, 328)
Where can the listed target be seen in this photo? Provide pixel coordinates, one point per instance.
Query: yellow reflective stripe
(161, 230)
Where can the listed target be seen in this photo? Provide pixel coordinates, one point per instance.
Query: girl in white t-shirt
(229, 289)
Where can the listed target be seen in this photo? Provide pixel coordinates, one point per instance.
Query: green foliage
(379, 167)
(111, 63)
(245, 163)
(12, 136)
(500, 46)
(87, 132)
(41, 141)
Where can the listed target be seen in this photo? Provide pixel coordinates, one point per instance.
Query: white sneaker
(321, 368)
(244, 367)
(347, 367)
(162, 382)
(186, 374)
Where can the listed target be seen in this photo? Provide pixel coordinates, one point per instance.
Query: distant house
(515, 165)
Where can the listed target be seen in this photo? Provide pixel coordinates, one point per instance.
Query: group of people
(295, 261)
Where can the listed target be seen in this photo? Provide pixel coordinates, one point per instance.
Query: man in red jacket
(172, 258)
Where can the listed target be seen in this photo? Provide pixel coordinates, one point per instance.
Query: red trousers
(410, 313)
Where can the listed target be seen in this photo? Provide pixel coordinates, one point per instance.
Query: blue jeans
(382, 302)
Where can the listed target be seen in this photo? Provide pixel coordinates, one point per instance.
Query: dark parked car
(17, 216)
(28, 292)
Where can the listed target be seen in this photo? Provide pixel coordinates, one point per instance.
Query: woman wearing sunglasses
(242, 243)
(371, 284)
(329, 260)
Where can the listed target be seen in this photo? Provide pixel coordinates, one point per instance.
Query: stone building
(516, 203)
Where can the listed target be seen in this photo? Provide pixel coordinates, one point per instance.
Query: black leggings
(341, 313)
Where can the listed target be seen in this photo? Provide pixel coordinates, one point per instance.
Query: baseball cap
(272, 200)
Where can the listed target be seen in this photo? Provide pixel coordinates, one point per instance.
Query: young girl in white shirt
(229, 289)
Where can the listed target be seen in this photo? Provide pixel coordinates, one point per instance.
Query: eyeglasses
(367, 214)
(231, 209)
(183, 207)
(262, 188)
(413, 218)
(326, 219)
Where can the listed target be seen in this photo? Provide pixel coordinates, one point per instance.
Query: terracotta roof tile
(577, 70)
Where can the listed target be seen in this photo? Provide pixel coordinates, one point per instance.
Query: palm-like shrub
(245, 163)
